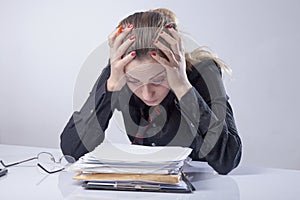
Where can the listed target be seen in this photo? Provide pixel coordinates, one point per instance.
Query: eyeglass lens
(48, 162)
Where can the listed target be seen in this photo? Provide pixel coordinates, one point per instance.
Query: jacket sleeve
(211, 120)
(85, 129)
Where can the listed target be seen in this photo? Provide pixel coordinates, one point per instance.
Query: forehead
(143, 68)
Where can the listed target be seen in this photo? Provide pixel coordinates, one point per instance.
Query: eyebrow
(129, 76)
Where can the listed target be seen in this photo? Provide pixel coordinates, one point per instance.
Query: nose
(147, 92)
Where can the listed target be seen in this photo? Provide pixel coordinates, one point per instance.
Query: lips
(150, 102)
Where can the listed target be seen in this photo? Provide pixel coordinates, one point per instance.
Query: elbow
(71, 144)
(224, 170)
(225, 166)
(73, 150)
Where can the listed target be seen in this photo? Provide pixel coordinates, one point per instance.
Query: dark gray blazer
(202, 120)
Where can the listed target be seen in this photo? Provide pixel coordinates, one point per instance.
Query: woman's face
(147, 79)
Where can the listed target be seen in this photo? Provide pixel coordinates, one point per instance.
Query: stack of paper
(136, 167)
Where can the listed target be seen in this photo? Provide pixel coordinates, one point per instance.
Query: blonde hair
(147, 26)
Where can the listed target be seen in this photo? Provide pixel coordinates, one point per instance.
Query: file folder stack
(134, 167)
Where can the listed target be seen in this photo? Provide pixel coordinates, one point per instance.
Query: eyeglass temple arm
(16, 163)
(49, 172)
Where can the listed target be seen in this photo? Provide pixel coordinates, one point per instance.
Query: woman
(167, 96)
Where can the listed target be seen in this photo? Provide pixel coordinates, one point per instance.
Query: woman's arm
(210, 117)
(211, 120)
(85, 129)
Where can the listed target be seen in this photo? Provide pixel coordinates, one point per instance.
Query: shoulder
(203, 69)
(206, 65)
(206, 77)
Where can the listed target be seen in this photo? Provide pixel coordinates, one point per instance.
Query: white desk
(26, 181)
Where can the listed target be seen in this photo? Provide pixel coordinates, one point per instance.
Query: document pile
(134, 167)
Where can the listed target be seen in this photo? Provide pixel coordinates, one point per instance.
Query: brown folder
(164, 178)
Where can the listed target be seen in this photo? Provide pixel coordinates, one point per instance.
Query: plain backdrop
(46, 48)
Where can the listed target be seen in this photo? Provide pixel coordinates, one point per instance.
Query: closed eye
(132, 80)
(159, 80)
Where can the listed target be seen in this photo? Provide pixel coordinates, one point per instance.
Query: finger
(126, 59)
(122, 35)
(117, 54)
(168, 52)
(171, 41)
(176, 35)
(119, 31)
(160, 59)
(118, 35)
(125, 45)
(112, 36)
(173, 32)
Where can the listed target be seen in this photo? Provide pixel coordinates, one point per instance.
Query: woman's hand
(176, 66)
(118, 60)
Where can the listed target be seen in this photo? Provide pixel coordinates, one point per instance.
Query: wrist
(112, 85)
(181, 90)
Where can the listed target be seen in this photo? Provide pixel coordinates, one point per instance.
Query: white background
(44, 46)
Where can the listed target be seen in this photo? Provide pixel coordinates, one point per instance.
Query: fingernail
(169, 26)
(132, 37)
(120, 30)
(133, 53)
(153, 53)
(130, 26)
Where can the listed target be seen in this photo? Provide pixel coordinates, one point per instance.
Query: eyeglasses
(47, 162)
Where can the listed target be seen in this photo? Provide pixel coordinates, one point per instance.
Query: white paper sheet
(139, 153)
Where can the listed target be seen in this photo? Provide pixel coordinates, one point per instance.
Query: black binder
(184, 186)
